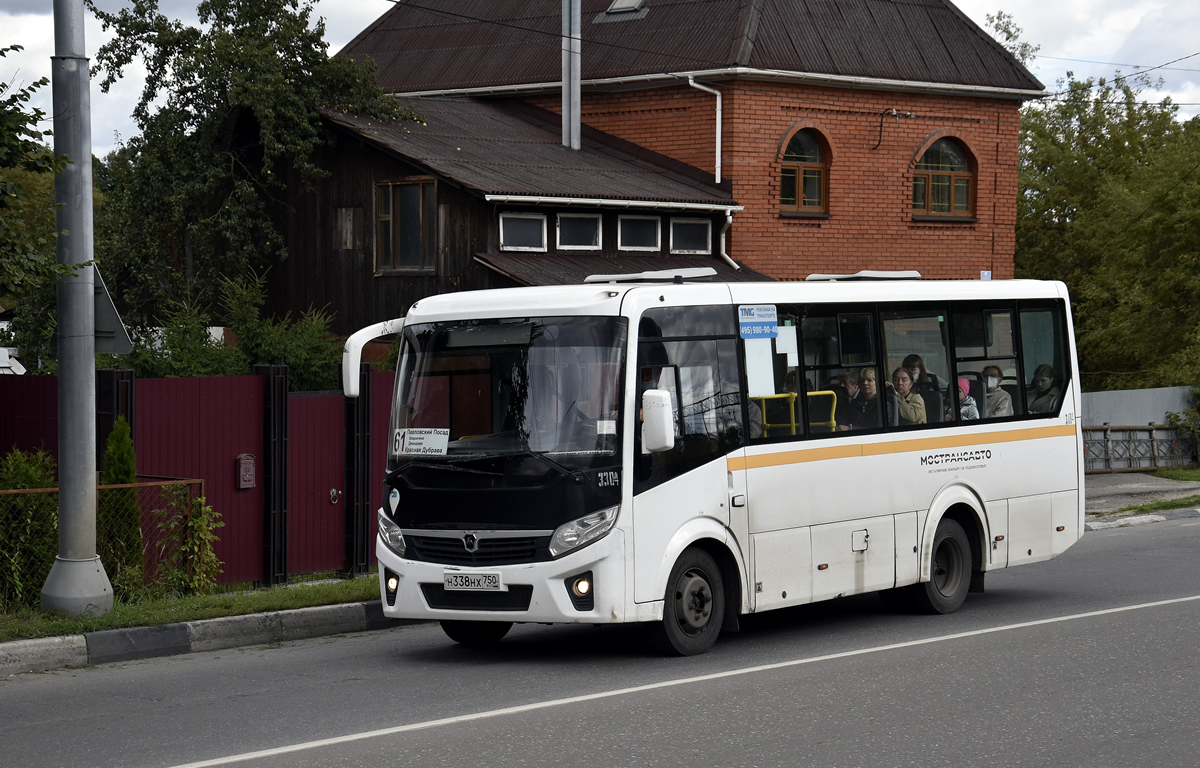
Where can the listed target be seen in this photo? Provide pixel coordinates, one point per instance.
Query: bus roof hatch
(868, 274)
(690, 274)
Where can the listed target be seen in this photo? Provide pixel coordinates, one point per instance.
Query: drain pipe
(724, 229)
(692, 82)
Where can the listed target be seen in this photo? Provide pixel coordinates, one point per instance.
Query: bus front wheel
(476, 634)
(693, 606)
(949, 573)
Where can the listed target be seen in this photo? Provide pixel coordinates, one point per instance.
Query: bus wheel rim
(693, 602)
(947, 567)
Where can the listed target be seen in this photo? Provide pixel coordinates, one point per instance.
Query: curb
(1126, 522)
(109, 645)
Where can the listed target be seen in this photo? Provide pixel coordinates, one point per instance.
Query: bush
(187, 563)
(118, 514)
(28, 527)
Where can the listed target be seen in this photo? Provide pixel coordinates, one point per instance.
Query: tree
(230, 108)
(118, 515)
(27, 255)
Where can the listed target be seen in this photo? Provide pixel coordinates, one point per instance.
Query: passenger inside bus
(910, 406)
(967, 409)
(1044, 393)
(997, 402)
(863, 408)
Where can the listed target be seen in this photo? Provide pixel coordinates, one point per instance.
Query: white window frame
(657, 233)
(599, 232)
(539, 216)
(708, 225)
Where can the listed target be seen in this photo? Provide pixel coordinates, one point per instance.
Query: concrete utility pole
(572, 64)
(77, 584)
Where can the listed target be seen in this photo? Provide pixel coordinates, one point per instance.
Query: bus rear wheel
(949, 573)
(476, 634)
(693, 606)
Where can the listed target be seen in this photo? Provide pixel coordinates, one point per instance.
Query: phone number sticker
(758, 321)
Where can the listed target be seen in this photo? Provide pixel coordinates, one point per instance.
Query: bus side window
(917, 366)
(986, 363)
(706, 401)
(1044, 355)
(840, 376)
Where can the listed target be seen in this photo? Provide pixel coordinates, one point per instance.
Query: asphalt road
(1088, 660)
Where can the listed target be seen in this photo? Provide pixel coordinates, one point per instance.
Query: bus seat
(1015, 393)
(934, 405)
(893, 414)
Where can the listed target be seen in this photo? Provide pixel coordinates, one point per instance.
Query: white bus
(656, 448)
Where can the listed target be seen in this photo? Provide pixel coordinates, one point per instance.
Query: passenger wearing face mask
(999, 403)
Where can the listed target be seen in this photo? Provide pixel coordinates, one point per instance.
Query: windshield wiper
(449, 468)
(521, 453)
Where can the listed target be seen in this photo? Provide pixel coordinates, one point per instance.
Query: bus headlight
(391, 535)
(583, 531)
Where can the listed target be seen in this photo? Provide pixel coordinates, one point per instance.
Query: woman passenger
(923, 380)
(997, 401)
(863, 408)
(1043, 398)
(908, 403)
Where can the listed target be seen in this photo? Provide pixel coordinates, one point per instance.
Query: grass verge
(26, 624)
(1187, 474)
(1155, 506)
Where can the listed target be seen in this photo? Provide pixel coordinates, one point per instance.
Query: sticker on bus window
(420, 442)
(606, 427)
(758, 321)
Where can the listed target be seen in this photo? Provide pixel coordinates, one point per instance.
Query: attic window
(578, 232)
(522, 232)
(625, 6)
(691, 236)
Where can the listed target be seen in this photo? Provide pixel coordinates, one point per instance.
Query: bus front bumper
(420, 593)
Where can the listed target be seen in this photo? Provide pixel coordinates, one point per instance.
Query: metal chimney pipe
(572, 64)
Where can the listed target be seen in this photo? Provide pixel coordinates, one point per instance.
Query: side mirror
(658, 421)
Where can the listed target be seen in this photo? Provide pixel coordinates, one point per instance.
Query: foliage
(305, 345)
(1004, 28)
(184, 347)
(118, 514)
(229, 118)
(27, 256)
(188, 564)
(1188, 422)
(1108, 202)
(28, 527)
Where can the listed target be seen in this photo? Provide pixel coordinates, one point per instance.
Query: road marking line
(655, 686)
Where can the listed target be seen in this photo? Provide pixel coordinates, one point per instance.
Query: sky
(1118, 35)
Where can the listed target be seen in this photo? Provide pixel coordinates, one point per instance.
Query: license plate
(473, 581)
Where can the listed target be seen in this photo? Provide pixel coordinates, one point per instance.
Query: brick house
(857, 134)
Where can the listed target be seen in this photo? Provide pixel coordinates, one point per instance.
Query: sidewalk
(1104, 494)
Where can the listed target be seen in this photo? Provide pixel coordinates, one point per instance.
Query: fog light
(391, 583)
(580, 590)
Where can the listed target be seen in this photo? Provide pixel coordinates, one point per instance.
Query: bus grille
(435, 549)
(515, 599)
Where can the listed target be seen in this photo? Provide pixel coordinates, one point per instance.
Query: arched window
(943, 182)
(804, 176)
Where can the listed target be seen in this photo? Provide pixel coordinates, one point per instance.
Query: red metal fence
(199, 427)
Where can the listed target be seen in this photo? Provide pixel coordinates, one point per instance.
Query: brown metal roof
(561, 269)
(507, 147)
(425, 45)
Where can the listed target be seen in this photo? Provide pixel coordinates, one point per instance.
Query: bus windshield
(469, 390)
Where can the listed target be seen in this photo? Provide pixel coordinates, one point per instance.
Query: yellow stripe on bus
(897, 446)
